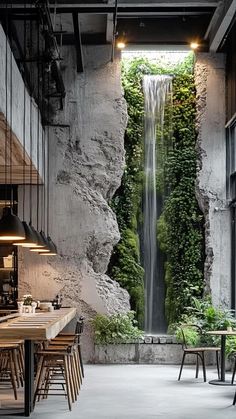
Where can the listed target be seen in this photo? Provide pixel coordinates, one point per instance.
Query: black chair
(199, 352)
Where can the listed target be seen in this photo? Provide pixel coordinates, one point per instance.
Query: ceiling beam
(78, 44)
(130, 3)
(149, 32)
(183, 9)
(110, 23)
(221, 23)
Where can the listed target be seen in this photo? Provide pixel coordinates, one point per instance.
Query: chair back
(190, 334)
(79, 326)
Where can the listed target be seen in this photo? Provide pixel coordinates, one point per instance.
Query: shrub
(117, 328)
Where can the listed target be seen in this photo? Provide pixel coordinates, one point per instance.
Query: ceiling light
(194, 45)
(30, 238)
(120, 45)
(11, 227)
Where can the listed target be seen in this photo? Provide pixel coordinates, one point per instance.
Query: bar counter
(32, 327)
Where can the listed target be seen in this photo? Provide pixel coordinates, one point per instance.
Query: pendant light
(43, 240)
(45, 247)
(52, 246)
(30, 237)
(11, 228)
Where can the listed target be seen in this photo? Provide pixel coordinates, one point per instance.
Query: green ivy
(180, 233)
(180, 228)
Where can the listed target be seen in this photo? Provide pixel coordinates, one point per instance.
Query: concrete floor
(141, 392)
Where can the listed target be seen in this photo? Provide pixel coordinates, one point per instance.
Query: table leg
(29, 377)
(222, 381)
(222, 355)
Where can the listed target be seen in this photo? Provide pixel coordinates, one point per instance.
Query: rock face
(211, 182)
(86, 166)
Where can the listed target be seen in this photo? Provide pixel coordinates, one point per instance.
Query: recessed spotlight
(194, 45)
(120, 45)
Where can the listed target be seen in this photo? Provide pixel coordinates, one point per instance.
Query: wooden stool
(9, 365)
(57, 344)
(52, 363)
(78, 332)
(18, 358)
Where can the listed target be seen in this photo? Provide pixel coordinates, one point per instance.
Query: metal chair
(198, 351)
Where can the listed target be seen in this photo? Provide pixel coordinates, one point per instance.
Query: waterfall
(157, 92)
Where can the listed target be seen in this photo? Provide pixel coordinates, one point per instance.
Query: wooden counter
(32, 327)
(38, 326)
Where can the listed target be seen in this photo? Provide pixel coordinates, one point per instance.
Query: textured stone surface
(143, 354)
(211, 181)
(87, 163)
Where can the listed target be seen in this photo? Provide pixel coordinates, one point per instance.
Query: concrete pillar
(211, 181)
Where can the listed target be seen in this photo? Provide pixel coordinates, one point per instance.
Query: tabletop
(38, 326)
(221, 332)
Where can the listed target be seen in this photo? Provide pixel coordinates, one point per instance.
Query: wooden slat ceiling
(17, 160)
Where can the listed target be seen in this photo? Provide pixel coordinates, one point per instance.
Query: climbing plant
(180, 225)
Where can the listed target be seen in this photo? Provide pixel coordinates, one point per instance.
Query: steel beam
(78, 44)
(122, 9)
(223, 19)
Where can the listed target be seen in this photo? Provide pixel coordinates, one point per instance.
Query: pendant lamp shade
(52, 247)
(11, 228)
(40, 243)
(46, 249)
(30, 237)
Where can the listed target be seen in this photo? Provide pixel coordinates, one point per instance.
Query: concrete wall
(211, 182)
(15, 114)
(86, 165)
(141, 353)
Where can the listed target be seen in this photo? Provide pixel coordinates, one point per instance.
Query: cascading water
(157, 92)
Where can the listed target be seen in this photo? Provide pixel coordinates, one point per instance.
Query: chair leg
(197, 367)
(234, 371)
(68, 384)
(182, 364)
(12, 373)
(39, 377)
(81, 360)
(234, 401)
(203, 366)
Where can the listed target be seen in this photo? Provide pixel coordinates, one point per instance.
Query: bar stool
(18, 358)
(55, 362)
(59, 343)
(78, 332)
(8, 365)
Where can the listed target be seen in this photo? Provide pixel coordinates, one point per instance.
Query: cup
(20, 306)
(33, 305)
(229, 329)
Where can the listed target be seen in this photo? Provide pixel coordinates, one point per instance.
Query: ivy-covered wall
(180, 232)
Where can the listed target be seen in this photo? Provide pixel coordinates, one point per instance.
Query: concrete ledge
(143, 353)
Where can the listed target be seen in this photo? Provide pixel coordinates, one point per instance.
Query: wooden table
(222, 333)
(31, 327)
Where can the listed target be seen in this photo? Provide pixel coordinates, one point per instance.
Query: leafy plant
(202, 313)
(117, 328)
(191, 335)
(230, 346)
(210, 317)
